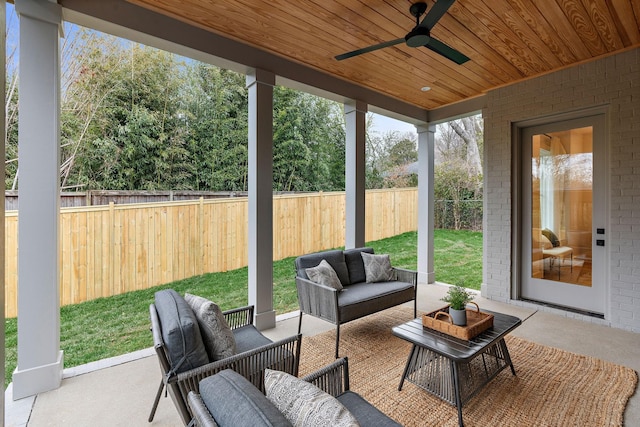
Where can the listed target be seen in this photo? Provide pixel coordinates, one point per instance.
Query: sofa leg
(337, 338)
(300, 322)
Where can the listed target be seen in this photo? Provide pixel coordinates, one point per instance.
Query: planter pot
(458, 317)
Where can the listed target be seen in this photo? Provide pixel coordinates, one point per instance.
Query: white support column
(426, 144)
(40, 360)
(355, 119)
(260, 85)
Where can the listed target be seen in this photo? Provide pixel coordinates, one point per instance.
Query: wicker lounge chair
(252, 408)
(255, 353)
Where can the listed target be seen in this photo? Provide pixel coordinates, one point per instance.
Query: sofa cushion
(335, 258)
(362, 299)
(233, 401)
(180, 332)
(377, 268)
(216, 334)
(324, 274)
(304, 404)
(365, 412)
(355, 265)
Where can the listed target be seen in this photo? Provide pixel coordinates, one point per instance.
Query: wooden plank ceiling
(506, 40)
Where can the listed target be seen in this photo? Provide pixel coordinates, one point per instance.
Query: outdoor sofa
(227, 399)
(362, 288)
(185, 352)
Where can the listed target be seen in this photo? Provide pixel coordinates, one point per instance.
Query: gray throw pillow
(324, 274)
(377, 268)
(216, 334)
(304, 404)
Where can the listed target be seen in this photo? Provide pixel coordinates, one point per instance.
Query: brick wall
(612, 83)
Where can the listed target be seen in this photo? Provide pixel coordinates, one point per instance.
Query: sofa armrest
(283, 355)
(333, 378)
(317, 300)
(201, 414)
(409, 276)
(239, 317)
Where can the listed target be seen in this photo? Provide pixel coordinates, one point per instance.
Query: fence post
(110, 257)
(200, 249)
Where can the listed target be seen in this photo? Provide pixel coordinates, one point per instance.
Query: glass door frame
(521, 244)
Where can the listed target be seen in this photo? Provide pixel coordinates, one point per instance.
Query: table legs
(406, 368)
(453, 381)
(456, 382)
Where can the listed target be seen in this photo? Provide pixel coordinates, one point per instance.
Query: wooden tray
(477, 322)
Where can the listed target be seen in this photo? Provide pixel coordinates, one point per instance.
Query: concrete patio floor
(120, 391)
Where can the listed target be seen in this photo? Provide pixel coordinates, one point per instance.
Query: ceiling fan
(420, 35)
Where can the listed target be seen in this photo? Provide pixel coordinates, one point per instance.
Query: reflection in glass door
(562, 177)
(561, 205)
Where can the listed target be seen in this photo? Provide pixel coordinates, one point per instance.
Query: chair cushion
(355, 265)
(324, 274)
(248, 338)
(304, 404)
(180, 332)
(233, 401)
(216, 334)
(335, 258)
(365, 412)
(377, 268)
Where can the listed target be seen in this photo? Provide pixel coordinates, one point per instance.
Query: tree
(403, 151)
(216, 117)
(400, 160)
(375, 152)
(11, 106)
(462, 138)
(134, 117)
(458, 171)
(133, 136)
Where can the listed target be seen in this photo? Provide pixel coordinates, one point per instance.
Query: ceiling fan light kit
(420, 35)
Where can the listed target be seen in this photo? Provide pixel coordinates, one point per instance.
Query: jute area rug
(551, 388)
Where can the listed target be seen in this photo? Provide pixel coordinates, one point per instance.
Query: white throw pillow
(216, 334)
(304, 404)
(377, 268)
(324, 274)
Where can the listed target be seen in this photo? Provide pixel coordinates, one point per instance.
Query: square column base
(424, 277)
(266, 320)
(39, 379)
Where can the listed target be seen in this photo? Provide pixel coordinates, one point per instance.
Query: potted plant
(458, 296)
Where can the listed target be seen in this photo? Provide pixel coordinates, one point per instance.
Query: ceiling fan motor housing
(419, 36)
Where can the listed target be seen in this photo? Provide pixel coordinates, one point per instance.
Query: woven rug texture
(552, 387)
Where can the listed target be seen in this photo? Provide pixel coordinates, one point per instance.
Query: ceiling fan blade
(435, 13)
(446, 51)
(369, 49)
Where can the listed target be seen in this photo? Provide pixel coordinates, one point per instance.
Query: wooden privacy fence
(109, 250)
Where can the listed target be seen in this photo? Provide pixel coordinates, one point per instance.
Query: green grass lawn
(117, 325)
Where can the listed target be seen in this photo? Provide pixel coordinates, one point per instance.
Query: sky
(384, 124)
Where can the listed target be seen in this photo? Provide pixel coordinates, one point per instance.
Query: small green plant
(458, 296)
